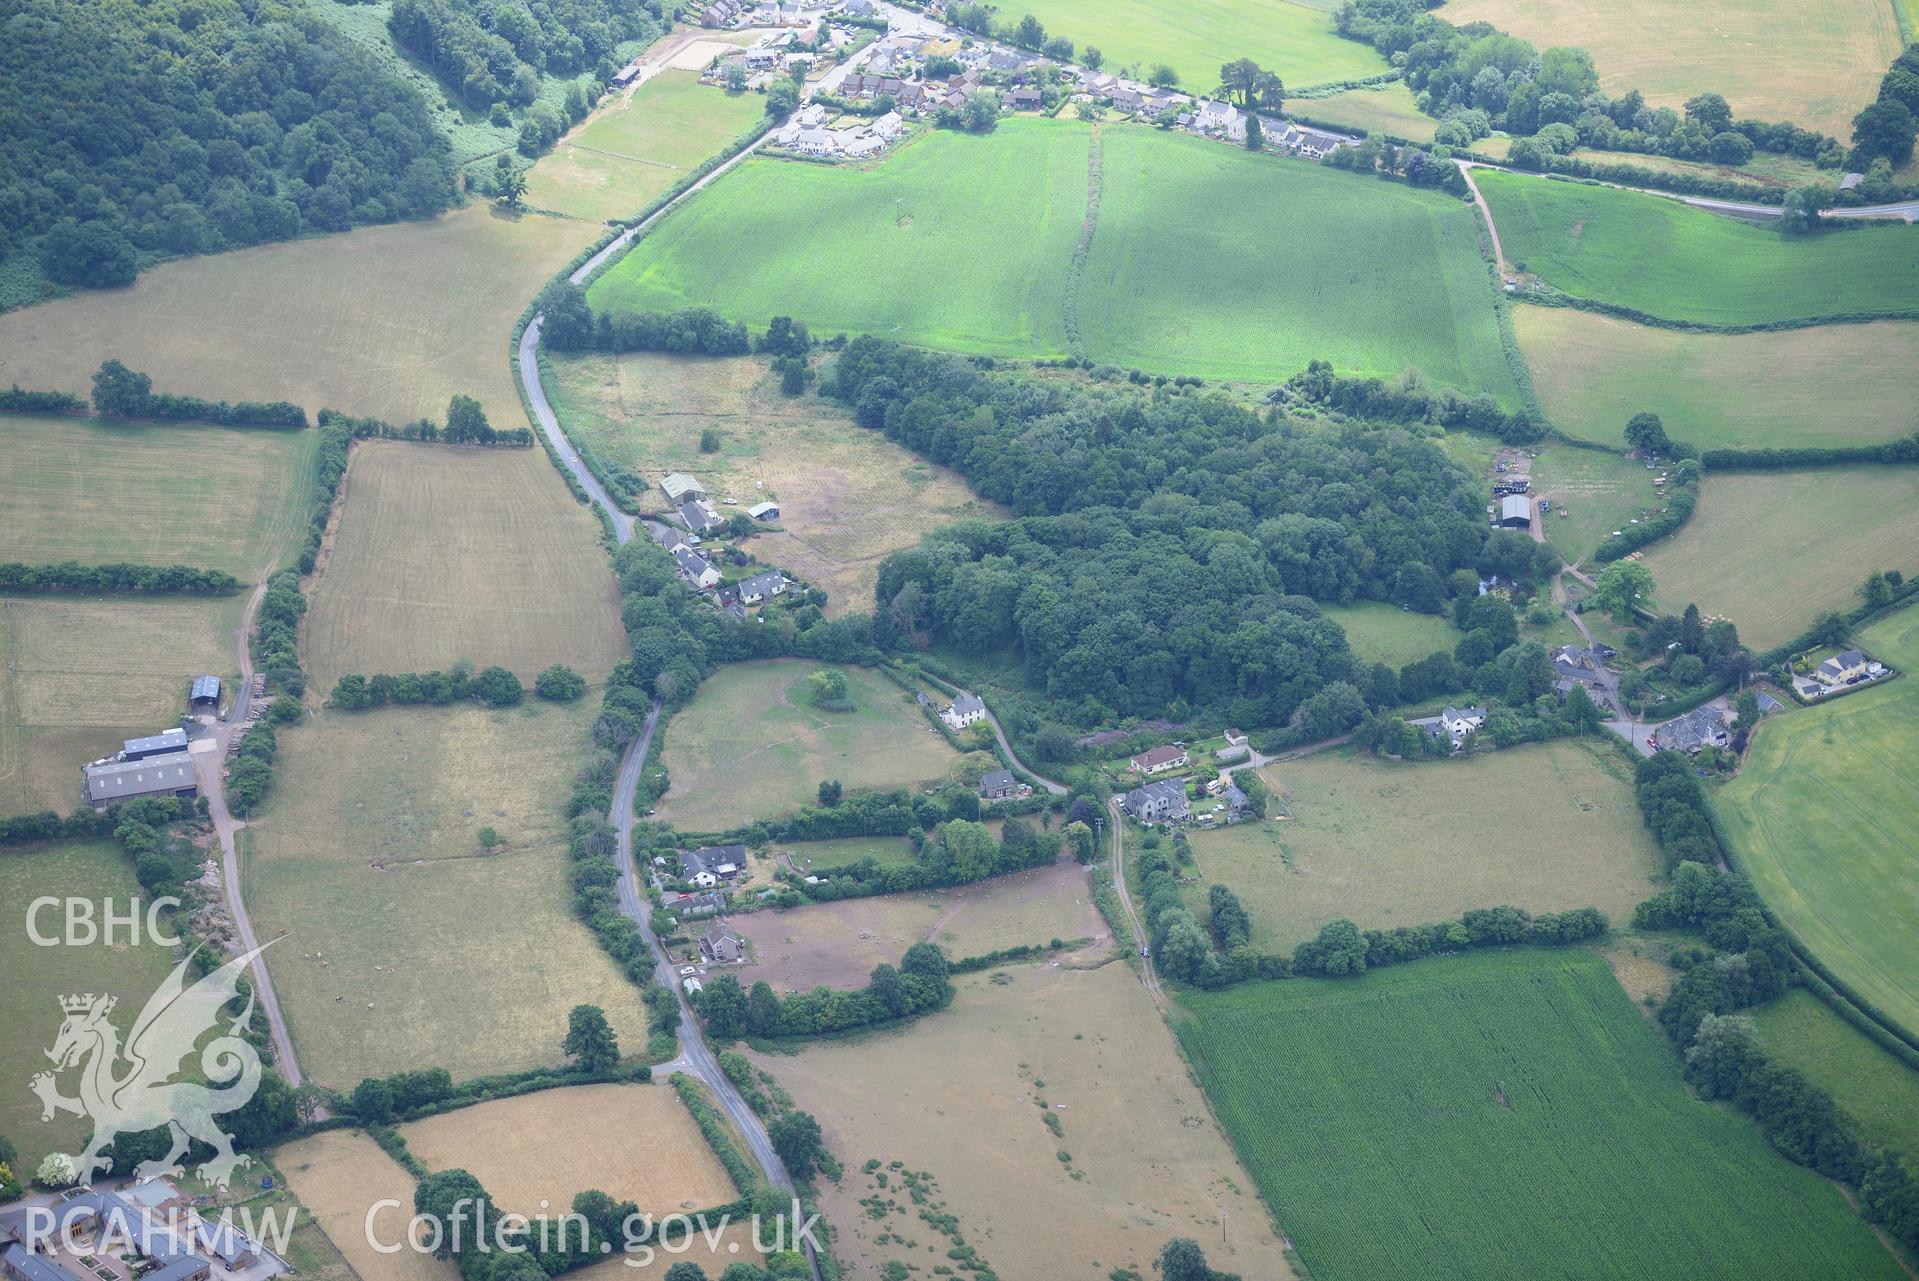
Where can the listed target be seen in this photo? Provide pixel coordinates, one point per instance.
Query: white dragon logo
(143, 1096)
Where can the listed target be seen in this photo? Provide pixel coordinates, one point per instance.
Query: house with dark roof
(998, 785)
(1841, 669)
(670, 540)
(696, 569)
(700, 518)
(1156, 759)
(963, 711)
(709, 865)
(1700, 728)
(721, 946)
(1163, 801)
(763, 587)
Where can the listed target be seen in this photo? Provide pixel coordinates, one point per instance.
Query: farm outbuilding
(1515, 511)
(164, 743)
(205, 693)
(765, 511)
(170, 774)
(680, 488)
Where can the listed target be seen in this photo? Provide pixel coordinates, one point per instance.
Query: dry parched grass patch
(634, 1142)
(339, 1176)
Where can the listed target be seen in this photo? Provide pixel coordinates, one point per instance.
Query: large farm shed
(1516, 511)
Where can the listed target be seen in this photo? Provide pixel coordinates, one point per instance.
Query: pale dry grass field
(387, 321)
(97, 491)
(1813, 65)
(848, 497)
(752, 745)
(339, 1176)
(838, 944)
(405, 944)
(1546, 828)
(961, 1102)
(78, 675)
(634, 1142)
(441, 553)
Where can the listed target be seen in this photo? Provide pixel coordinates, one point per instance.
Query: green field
(633, 148)
(1387, 109)
(1821, 817)
(1592, 493)
(79, 675)
(1381, 633)
(1876, 1089)
(1723, 391)
(967, 243)
(37, 977)
(1502, 1115)
(406, 944)
(1296, 40)
(95, 491)
(808, 856)
(1679, 263)
(751, 744)
(1771, 60)
(1389, 844)
(1765, 550)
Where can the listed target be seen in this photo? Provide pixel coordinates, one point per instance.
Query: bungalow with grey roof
(761, 586)
(1698, 729)
(1155, 759)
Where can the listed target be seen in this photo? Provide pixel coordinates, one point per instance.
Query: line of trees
(466, 424)
(919, 986)
(571, 325)
(18, 400)
(1408, 399)
(493, 686)
(957, 852)
(119, 392)
(117, 576)
(1902, 451)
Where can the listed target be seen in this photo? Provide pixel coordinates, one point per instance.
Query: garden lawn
(1194, 38)
(813, 856)
(1773, 550)
(1724, 391)
(751, 745)
(1502, 1114)
(1821, 817)
(154, 494)
(406, 945)
(966, 243)
(1679, 263)
(634, 146)
(1592, 493)
(1387, 844)
(1243, 266)
(37, 977)
(78, 675)
(1771, 60)
(1381, 633)
(442, 553)
(1876, 1089)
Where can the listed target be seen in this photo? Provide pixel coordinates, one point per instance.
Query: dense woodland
(490, 54)
(130, 131)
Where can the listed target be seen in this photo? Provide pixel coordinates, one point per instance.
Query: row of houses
(1164, 802)
(146, 1229)
(805, 132)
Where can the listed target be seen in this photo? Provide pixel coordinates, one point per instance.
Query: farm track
(1904, 211)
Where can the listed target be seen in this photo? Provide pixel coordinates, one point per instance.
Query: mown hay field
(97, 491)
(78, 675)
(634, 146)
(37, 977)
(405, 944)
(1294, 39)
(966, 243)
(848, 497)
(634, 1142)
(340, 1176)
(389, 321)
(1821, 817)
(838, 944)
(1387, 109)
(441, 553)
(1679, 263)
(1502, 1114)
(1592, 493)
(1816, 68)
(1773, 550)
(752, 745)
(1723, 391)
(1545, 828)
(1871, 1086)
(1382, 633)
(959, 1102)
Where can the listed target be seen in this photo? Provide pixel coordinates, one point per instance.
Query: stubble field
(752, 745)
(960, 1103)
(635, 146)
(1821, 817)
(1816, 68)
(838, 944)
(406, 945)
(1723, 391)
(1182, 275)
(1679, 263)
(1772, 550)
(339, 1175)
(79, 674)
(848, 497)
(96, 491)
(387, 321)
(1502, 1114)
(1545, 828)
(441, 553)
(634, 1142)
